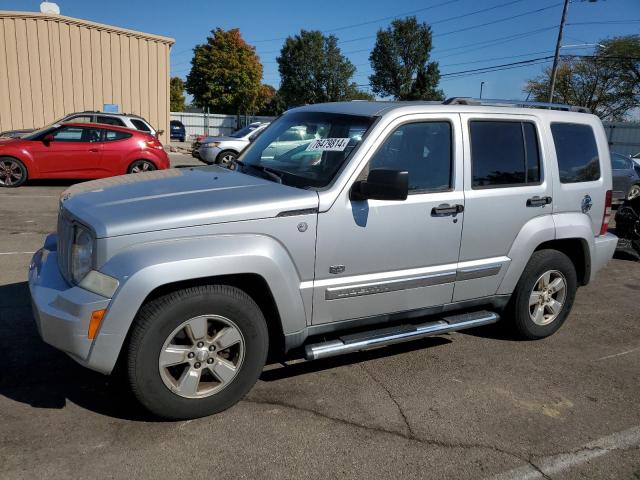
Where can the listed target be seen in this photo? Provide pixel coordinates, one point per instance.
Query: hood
(179, 197)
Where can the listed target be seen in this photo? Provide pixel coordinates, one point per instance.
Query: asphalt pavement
(468, 405)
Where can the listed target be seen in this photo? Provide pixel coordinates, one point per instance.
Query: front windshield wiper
(266, 171)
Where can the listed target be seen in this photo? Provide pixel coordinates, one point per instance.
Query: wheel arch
(257, 265)
(29, 166)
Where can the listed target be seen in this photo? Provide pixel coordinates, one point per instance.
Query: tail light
(153, 142)
(607, 213)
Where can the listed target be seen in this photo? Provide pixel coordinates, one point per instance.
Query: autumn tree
(225, 74)
(607, 82)
(176, 90)
(313, 70)
(400, 62)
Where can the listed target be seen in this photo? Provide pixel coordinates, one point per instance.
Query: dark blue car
(177, 131)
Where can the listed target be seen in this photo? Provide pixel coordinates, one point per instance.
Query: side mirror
(382, 184)
(48, 138)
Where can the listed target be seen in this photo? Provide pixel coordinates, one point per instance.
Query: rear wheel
(13, 173)
(544, 295)
(197, 351)
(141, 166)
(226, 158)
(634, 192)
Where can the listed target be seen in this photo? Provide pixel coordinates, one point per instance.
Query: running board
(403, 333)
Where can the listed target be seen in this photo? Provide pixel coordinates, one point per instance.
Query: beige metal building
(52, 65)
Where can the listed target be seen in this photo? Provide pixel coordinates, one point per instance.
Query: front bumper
(62, 311)
(603, 249)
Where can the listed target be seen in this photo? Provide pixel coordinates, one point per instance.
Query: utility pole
(481, 85)
(556, 57)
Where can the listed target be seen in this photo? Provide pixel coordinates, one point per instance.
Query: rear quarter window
(577, 152)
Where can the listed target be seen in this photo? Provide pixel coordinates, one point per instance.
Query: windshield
(40, 133)
(244, 131)
(306, 149)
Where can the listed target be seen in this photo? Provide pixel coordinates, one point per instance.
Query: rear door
(506, 185)
(116, 146)
(622, 174)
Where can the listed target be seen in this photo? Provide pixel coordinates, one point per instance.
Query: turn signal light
(94, 323)
(607, 213)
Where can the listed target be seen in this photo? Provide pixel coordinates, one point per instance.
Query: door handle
(446, 210)
(538, 201)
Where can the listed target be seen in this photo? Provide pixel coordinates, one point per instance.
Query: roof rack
(514, 103)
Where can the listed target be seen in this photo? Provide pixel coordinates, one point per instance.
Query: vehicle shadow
(290, 370)
(39, 375)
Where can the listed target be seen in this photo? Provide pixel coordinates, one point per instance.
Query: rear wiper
(269, 172)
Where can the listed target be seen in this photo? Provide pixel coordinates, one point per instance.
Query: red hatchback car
(79, 150)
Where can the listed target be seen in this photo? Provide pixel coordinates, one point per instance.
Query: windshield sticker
(329, 144)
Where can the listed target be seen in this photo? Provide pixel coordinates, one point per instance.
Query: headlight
(211, 145)
(81, 253)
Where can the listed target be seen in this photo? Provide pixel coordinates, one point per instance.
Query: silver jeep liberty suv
(394, 221)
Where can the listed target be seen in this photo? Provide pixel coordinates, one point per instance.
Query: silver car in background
(224, 150)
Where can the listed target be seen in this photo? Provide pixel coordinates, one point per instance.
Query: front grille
(65, 240)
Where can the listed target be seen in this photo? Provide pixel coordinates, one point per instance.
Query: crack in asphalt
(538, 469)
(411, 433)
(379, 430)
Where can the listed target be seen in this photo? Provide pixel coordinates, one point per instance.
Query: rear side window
(110, 121)
(504, 154)
(620, 163)
(577, 152)
(140, 125)
(112, 135)
(79, 119)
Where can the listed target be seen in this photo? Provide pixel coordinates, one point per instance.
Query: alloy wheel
(227, 159)
(634, 192)
(10, 173)
(547, 297)
(142, 167)
(202, 356)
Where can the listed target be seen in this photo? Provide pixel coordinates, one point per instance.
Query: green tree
(176, 100)
(313, 70)
(400, 62)
(607, 82)
(270, 102)
(225, 74)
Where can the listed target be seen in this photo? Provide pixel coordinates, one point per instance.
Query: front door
(74, 152)
(378, 257)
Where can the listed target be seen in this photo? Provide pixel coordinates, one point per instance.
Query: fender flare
(560, 226)
(145, 267)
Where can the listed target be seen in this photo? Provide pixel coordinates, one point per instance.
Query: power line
(370, 22)
(606, 22)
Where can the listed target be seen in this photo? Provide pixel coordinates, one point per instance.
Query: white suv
(127, 120)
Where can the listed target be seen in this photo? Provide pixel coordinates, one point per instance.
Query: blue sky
(460, 43)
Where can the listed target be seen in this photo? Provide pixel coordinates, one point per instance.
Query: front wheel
(634, 192)
(196, 352)
(226, 158)
(141, 166)
(544, 295)
(13, 173)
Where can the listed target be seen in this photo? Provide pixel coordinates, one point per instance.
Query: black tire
(141, 166)
(519, 309)
(159, 318)
(10, 169)
(226, 158)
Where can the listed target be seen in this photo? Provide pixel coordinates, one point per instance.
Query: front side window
(424, 150)
(504, 153)
(77, 134)
(140, 125)
(305, 149)
(80, 119)
(577, 152)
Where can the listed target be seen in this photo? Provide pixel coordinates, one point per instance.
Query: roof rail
(514, 103)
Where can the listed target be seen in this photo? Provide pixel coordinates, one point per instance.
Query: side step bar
(403, 333)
